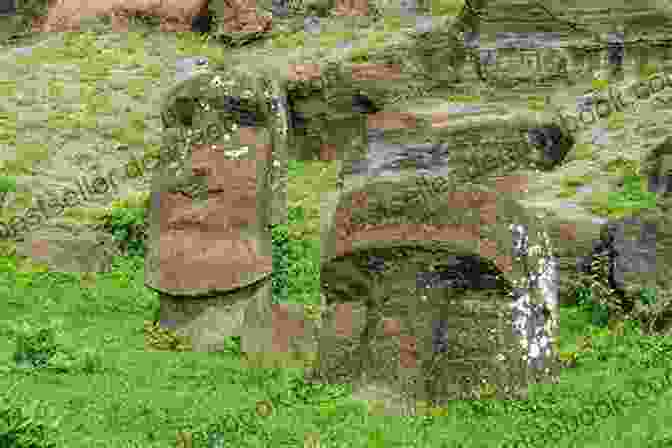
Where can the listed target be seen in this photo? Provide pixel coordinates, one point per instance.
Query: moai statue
(213, 203)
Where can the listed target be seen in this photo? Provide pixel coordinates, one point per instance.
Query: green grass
(101, 388)
(632, 197)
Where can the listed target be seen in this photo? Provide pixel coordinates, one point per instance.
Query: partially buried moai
(213, 202)
(438, 283)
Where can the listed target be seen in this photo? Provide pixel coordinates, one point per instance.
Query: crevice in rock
(553, 143)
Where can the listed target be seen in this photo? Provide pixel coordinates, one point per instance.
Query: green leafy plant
(35, 345)
(158, 338)
(280, 235)
(632, 196)
(7, 184)
(653, 308)
(647, 296)
(630, 199)
(232, 345)
(594, 294)
(128, 227)
(20, 427)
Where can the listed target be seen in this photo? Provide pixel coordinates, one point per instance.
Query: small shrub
(21, 428)
(158, 338)
(593, 292)
(633, 195)
(37, 348)
(280, 235)
(128, 227)
(568, 358)
(653, 308)
(232, 346)
(35, 345)
(7, 184)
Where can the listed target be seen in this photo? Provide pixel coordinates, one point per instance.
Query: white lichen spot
(237, 153)
(227, 137)
(216, 82)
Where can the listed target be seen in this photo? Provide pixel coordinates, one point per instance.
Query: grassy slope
(146, 397)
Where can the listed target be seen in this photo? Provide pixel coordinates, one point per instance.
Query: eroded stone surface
(446, 282)
(239, 21)
(210, 251)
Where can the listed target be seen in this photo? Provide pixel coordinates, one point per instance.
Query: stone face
(211, 242)
(210, 254)
(426, 293)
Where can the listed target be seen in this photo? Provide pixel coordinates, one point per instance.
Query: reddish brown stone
(401, 232)
(327, 152)
(343, 319)
(408, 351)
(488, 211)
(370, 71)
(248, 136)
(512, 184)
(359, 199)
(304, 72)
(504, 263)
(567, 231)
(200, 244)
(487, 248)
(241, 16)
(391, 120)
(351, 8)
(441, 120)
(284, 327)
(391, 327)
